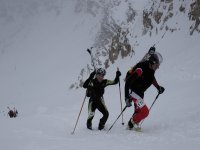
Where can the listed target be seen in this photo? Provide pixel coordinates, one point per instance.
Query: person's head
(155, 60)
(100, 73)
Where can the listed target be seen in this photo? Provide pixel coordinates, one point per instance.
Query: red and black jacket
(139, 79)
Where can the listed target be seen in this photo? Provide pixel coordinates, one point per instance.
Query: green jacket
(95, 89)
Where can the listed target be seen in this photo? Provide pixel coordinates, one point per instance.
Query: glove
(128, 102)
(118, 73)
(92, 74)
(161, 89)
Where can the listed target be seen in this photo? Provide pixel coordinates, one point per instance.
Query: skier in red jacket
(138, 80)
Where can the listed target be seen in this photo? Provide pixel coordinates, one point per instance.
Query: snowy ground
(38, 64)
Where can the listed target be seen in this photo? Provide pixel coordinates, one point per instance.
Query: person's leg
(141, 114)
(102, 108)
(141, 110)
(91, 113)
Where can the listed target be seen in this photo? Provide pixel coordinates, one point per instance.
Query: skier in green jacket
(95, 90)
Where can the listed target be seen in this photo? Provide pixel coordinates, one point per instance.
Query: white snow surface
(40, 57)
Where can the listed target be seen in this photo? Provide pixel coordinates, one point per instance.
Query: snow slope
(43, 56)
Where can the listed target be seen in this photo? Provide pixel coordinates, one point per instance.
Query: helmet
(101, 71)
(155, 58)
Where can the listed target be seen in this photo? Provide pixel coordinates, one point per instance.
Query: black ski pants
(100, 105)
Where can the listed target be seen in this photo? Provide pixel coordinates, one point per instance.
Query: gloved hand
(128, 102)
(118, 73)
(161, 89)
(92, 74)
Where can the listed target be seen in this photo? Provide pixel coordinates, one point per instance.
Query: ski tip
(89, 52)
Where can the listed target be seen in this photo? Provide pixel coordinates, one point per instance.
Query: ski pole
(154, 101)
(151, 106)
(117, 119)
(120, 99)
(79, 115)
(89, 51)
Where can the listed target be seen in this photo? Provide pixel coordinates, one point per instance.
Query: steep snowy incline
(44, 55)
(42, 59)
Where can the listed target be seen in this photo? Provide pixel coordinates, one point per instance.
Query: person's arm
(158, 87)
(86, 83)
(130, 80)
(155, 83)
(129, 73)
(115, 81)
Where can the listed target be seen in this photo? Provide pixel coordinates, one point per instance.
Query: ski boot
(130, 125)
(101, 126)
(133, 125)
(89, 125)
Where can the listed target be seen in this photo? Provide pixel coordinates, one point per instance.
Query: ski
(137, 129)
